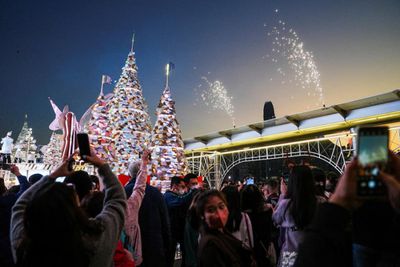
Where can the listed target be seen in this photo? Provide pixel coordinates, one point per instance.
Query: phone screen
(83, 143)
(372, 150)
(250, 180)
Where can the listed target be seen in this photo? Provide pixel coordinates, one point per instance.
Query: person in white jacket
(6, 148)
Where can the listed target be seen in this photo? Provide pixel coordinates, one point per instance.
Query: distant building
(269, 112)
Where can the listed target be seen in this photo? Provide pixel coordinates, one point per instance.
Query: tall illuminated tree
(166, 141)
(99, 128)
(128, 117)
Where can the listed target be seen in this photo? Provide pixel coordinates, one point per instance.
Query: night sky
(61, 48)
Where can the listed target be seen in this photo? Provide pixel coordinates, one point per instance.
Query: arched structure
(215, 166)
(326, 134)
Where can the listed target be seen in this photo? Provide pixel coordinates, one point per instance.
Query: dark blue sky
(61, 48)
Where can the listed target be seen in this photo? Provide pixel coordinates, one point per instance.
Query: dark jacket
(262, 232)
(154, 226)
(177, 206)
(376, 225)
(326, 241)
(222, 249)
(6, 204)
(191, 243)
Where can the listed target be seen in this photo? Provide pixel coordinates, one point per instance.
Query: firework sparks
(216, 96)
(288, 45)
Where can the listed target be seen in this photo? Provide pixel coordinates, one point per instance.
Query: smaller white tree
(52, 151)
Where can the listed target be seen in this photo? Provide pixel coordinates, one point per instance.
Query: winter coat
(111, 218)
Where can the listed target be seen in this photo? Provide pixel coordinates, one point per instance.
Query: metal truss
(206, 165)
(336, 150)
(214, 166)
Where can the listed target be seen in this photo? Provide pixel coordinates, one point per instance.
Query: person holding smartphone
(48, 228)
(327, 244)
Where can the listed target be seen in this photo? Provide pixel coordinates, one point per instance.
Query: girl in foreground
(217, 246)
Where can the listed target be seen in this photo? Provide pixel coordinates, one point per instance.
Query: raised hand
(345, 193)
(62, 170)
(392, 181)
(146, 156)
(15, 170)
(96, 161)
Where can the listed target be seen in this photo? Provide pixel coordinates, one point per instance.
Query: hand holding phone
(83, 144)
(373, 155)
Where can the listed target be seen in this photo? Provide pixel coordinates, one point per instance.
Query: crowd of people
(308, 219)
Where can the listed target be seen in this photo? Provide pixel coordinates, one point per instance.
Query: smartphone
(373, 155)
(83, 144)
(6, 166)
(250, 180)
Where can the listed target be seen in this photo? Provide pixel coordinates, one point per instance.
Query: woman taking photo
(295, 211)
(48, 228)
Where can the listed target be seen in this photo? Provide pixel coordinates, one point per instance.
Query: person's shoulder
(151, 190)
(208, 239)
(168, 193)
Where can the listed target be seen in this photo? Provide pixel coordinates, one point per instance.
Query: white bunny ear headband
(9, 133)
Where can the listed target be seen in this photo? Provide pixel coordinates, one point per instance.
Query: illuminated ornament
(66, 121)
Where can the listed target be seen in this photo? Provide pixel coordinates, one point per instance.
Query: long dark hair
(191, 215)
(54, 226)
(301, 192)
(235, 215)
(251, 199)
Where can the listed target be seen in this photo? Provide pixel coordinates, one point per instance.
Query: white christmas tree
(166, 141)
(52, 151)
(25, 146)
(128, 117)
(99, 128)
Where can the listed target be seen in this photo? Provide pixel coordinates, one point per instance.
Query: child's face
(216, 213)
